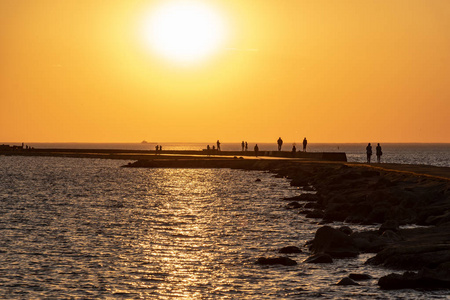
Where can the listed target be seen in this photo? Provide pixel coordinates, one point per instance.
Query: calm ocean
(424, 154)
(87, 229)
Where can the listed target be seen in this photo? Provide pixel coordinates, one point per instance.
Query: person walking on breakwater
(256, 149)
(369, 152)
(218, 145)
(246, 146)
(243, 146)
(378, 152)
(294, 150)
(305, 142)
(280, 143)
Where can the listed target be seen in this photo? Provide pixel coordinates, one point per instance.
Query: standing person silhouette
(218, 145)
(378, 152)
(369, 152)
(256, 149)
(305, 142)
(280, 143)
(246, 146)
(243, 145)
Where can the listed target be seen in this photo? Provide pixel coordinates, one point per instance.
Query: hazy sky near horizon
(333, 71)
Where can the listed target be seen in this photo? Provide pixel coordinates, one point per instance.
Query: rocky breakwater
(388, 197)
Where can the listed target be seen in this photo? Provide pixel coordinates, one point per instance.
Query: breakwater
(146, 154)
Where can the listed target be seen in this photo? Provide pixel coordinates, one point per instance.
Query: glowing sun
(185, 30)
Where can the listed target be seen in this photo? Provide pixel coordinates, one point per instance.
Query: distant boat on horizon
(144, 142)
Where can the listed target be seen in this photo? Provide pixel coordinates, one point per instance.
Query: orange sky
(333, 71)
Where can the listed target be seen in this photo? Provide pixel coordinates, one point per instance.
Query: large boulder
(334, 243)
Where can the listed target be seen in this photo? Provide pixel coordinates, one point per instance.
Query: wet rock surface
(333, 242)
(285, 261)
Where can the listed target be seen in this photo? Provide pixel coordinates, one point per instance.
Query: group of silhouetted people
(158, 148)
(244, 146)
(378, 152)
(294, 149)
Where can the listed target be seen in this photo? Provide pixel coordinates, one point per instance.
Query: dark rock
(377, 215)
(391, 236)
(347, 281)
(315, 214)
(320, 258)
(439, 220)
(359, 277)
(333, 242)
(290, 249)
(438, 278)
(396, 281)
(345, 229)
(299, 181)
(285, 261)
(389, 225)
(257, 180)
(369, 242)
(412, 256)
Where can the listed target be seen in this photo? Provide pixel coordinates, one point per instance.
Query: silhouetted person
(369, 152)
(294, 149)
(256, 150)
(378, 153)
(207, 148)
(305, 142)
(280, 143)
(218, 145)
(214, 148)
(156, 149)
(160, 148)
(243, 146)
(246, 146)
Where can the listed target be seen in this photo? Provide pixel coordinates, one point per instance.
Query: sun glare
(185, 31)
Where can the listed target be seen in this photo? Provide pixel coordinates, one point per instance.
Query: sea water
(423, 154)
(88, 229)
